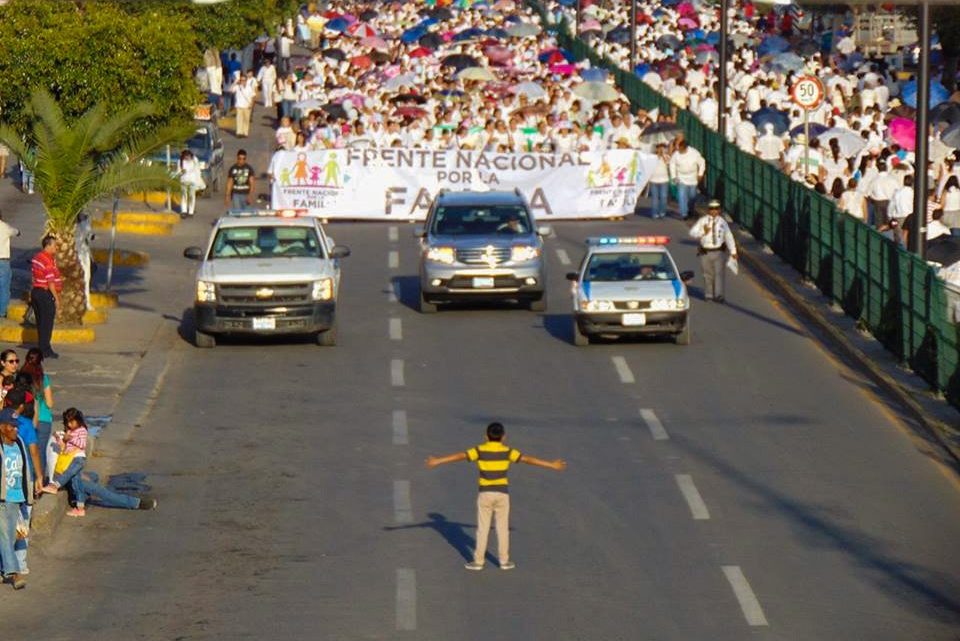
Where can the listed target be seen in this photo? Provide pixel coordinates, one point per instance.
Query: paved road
(746, 486)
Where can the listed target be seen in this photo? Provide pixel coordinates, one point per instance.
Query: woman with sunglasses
(40, 388)
(9, 363)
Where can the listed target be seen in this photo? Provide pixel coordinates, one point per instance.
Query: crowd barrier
(892, 293)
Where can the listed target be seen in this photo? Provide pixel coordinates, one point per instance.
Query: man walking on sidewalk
(45, 293)
(6, 233)
(494, 459)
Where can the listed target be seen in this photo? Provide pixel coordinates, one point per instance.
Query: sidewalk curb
(903, 388)
(130, 411)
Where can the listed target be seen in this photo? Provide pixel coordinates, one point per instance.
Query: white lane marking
(697, 507)
(744, 593)
(393, 259)
(402, 508)
(406, 599)
(396, 330)
(657, 431)
(623, 370)
(563, 257)
(392, 293)
(393, 234)
(400, 436)
(396, 373)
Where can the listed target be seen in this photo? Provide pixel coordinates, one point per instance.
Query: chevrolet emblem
(633, 304)
(489, 256)
(264, 292)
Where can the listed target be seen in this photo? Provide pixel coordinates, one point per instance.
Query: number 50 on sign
(807, 92)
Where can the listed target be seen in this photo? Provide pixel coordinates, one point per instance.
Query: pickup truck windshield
(266, 242)
(609, 267)
(503, 220)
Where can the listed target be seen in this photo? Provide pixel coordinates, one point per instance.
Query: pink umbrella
(354, 98)
(498, 53)
(686, 9)
(688, 23)
(705, 47)
(591, 25)
(563, 70)
(375, 43)
(903, 131)
(349, 17)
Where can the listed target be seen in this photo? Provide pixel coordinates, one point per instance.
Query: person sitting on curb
(88, 487)
(72, 457)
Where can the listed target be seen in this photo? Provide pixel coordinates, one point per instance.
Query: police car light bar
(280, 213)
(629, 240)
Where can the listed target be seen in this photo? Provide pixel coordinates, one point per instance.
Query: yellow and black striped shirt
(494, 459)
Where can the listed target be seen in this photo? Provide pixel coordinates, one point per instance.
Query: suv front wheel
(203, 340)
(427, 307)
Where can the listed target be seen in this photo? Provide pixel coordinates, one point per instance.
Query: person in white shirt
(246, 91)
(770, 146)
(709, 110)
(716, 241)
(659, 185)
(881, 191)
(286, 137)
(687, 167)
(901, 205)
(267, 77)
(745, 133)
(7, 232)
(936, 228)
(853, 201)
(191, 181)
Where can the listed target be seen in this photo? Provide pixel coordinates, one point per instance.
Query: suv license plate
(264, 323)
(634, 319)
(483, 283)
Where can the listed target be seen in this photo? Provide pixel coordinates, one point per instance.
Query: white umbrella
(530, 89)
(476, 73)
(398, 82)
(851, 144)
(596, 91)
(938, 150)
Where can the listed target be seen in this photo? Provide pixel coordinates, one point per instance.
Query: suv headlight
(597, 306)
(322, 289)
(523, 253)
(206, 292)
(443, 255)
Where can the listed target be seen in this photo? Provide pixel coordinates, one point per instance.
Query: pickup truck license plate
(630, 320)
(483, 283)
(264, 323)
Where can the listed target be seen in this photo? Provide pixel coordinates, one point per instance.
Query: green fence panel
(891, 292)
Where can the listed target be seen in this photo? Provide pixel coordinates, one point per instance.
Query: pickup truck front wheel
(327, 338)
(202, 340)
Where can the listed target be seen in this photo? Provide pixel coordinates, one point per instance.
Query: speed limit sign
(807, 92)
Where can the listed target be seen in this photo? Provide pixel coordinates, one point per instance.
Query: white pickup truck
(267, 272)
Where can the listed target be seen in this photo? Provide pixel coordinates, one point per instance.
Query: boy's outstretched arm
(434, 461)
(556, 464)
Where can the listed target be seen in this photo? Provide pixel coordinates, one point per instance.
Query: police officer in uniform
(716, 240)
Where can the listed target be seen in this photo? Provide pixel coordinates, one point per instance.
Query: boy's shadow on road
(454, 533)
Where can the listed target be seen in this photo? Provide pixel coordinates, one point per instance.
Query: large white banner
(393, 183)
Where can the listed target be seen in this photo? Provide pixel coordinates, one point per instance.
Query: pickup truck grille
(479, 256)
(263, 294)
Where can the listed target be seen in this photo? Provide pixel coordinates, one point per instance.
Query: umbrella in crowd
(431, 41)
(807, 48)
(938, 93)
(850, 142)
(594, 74)
(398, 82)
(375, 43)
(938, 150)
(596, 91)
(951, 137)
(903, 132)
(766, 115)
(334, 54)
(498, 54)
(555, 55)
(362, 30)
(497, 33)
(460, 61)
(772, 44)
(660, 132)
(531, 90)
(337, 24)
(944, 250)
(410, 112)
(590, 25)
(787, 61)
(475, 73)
(669, 41)
(408, 98)
(420, 52)
(619, 35)
(814, 129)
(669, 69)
(441, 13)
(945, 112)
(413, 35)
(368, 15)
(705, 56)
(361, 62)
(522, 30)
(564, 69)
(468, 34)
(335, 110)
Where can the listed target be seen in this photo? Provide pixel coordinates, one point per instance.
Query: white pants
(188, 199)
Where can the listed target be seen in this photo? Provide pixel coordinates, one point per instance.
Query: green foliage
(76, 161)
(95, 53)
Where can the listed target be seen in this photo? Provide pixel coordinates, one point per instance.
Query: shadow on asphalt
(186, 332)
(453, 533)
(928, 591)
(560, 327)
(407, 290)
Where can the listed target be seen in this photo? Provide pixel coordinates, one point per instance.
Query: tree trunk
(73, 301)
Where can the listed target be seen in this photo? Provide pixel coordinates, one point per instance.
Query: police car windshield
(611, 267)
(503, 220)
(266, 242)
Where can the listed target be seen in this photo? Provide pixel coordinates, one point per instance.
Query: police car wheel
(327, 338)
(579, 338)
(427, 307)
(202, 340)
(683, 338)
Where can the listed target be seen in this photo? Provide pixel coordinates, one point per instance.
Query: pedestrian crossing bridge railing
(892, 293)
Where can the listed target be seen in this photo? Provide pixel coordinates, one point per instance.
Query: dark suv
(481, 246)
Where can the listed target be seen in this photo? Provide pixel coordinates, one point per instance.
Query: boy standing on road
(494, 459)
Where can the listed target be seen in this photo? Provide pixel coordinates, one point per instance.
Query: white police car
(629, 286)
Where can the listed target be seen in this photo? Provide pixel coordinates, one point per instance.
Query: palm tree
(76, 163)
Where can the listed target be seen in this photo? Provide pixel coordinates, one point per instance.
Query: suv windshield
(266, 242)
(610, 267)
(505, 220)
(200, 141)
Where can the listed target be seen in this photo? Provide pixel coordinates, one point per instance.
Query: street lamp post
(633, 35)
(577, 33)
(918, 235)
(722, 98)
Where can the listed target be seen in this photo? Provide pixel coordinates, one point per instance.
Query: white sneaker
(509, 565)
(473, 565)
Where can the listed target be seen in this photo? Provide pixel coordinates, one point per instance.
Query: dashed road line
(745, 596)
(402, 506)
(396, 329)
(698, 509)
(563, 257)
(392, 294)
(406, 599)
(657, 431)
(400, 436)
(396, 373)
(393, 259)
(393, 234)
(623, 370)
